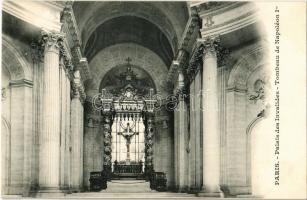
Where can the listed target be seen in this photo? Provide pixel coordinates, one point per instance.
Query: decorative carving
(107, 122)
(209, 22)
(50, 41)
(69, 18)
(259, 91)
(77, 87)
(149, 139)
(211, 46)
(203, 49)
(3, 94)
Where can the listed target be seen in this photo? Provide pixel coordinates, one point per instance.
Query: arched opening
(127, 98)
(260, 156)
(16, 129)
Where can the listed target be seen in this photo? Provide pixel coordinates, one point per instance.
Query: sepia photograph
(153, 99)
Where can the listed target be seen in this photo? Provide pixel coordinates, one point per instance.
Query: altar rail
(131, 168)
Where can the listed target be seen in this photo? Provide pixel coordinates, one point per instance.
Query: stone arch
(14, 60)
(117, 54)
(260, 155)
(249, 129)
(17, 110)
(250, 66)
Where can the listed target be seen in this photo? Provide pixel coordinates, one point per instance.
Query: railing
(131, 168)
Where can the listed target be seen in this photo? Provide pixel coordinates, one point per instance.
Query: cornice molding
(31, 11)
(225, 17)
(193, 25)
(21, 83)
(81, 63)
(70, 27)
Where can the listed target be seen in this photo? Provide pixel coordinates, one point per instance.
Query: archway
(261, 156)
(127, 105)
(16, 125)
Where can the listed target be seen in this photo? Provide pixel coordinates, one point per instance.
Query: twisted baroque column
(149, 145)
(107, 156)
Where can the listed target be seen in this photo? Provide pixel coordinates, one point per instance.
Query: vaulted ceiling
(155, 25)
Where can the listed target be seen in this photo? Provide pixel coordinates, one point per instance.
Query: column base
(50, 192)
(209, 193)
(194, 190)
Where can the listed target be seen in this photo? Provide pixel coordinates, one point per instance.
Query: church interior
(102, 98)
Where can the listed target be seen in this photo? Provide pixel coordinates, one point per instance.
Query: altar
(128, 114)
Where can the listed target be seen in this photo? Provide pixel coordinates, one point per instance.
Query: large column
(76, 141)
(198, 131)
(192, 156)
(67, 172)
(211, 138)
(181, 137)
(49, 157)
(63, 97)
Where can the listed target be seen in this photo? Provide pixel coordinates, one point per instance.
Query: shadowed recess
(129, 29)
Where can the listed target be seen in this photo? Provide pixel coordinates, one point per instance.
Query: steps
(129, 189)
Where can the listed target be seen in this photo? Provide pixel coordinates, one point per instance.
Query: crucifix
(128, 60)
(128, 134)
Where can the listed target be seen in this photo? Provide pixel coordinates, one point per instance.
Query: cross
(128, 135)
(128, 60)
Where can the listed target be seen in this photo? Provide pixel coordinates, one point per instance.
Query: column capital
(50, 41)
(210, 45)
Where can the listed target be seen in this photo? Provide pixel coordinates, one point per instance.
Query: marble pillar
(211, 137)
(67, 162)
(181, 137)
(192, 141)
(76, 141)
(49, 156)
(198, 131)
(63, 97)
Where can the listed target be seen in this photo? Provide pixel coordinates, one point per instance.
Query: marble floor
(129, 189)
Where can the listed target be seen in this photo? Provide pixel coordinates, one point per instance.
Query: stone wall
(16, 118)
